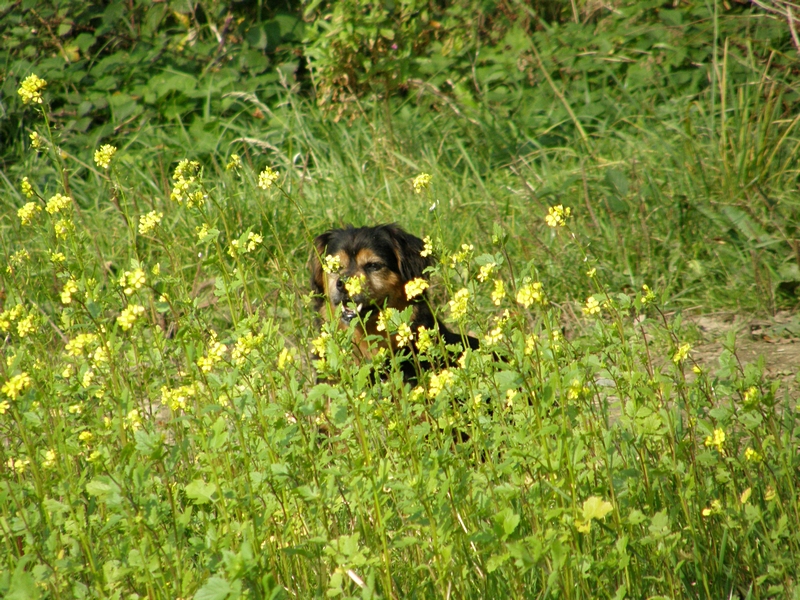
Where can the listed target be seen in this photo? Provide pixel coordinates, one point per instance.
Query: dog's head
(364, 270)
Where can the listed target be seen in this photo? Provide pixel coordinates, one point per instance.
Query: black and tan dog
(384, 258)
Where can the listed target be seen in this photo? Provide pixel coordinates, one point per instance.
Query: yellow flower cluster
(751, 397)
(31, 89)
(331, 264)
(486, 271)
(415, 287)
(128, 316)
(133, 421)
(320, 344)
(422, 182)
(355, 285)
(594, 508)
(439, 381)
(57, 257)
(385, 318)
(576, 389)
(26, 326)
(557, 216)
(131, 281)
(462, 255)
(26, 188)
(104, 154)
(186, 177)
(493, 336)
(459, 304)
(499, 292)
(716, 440)
(592, 306)
(529, 293)
(284, 358)
(76, 346)
(16, 385)
(214, 354)
(427, 247)
(58, 203)
(177, 399)
(424, 339)
(37, 141)
(648, 295)
(681, 354)
(9, 316)
(234, 163)
(404, 335)
(714, 509)
(245, 345)
(62, 228)
(267, 178)
(201, 231)
(751, 455)
(28, 212)
(149, 221)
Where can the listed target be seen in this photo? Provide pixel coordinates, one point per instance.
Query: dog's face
(361, 271)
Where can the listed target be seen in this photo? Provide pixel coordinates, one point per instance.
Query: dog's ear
(319, 250)
(408, 249)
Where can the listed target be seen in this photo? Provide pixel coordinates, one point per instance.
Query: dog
(384, 258)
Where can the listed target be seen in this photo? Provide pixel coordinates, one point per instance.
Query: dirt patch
(777, 339)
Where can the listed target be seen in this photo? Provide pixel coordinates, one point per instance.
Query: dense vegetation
(165, 432)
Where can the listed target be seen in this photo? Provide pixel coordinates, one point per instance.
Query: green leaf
(200, 492)
(216, 588)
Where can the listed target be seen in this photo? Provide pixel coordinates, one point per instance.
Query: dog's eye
(373, 267)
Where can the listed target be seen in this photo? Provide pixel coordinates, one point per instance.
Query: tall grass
(176, 423)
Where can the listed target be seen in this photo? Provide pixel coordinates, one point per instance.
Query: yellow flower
(244, 345)
(463, 255)
(424, 339)
(592, 306)
(177, 398)
(127, 317)
(26, 326)
(439, 381)
(4, 406)
(355, 285)
(459, 304)
(133, 421)
(104, 155)
(62, 228)
(530, 293)
(49, 459)
(87, 378)
(58, 203)
(149, 221)
(594, 508)
(16, 385)
(415, 287)
(499, 292)
(557, 216)
(31, 89)
(26, 188)
(214, 354)
(284, 358)
(57, 257)
(86, 437)
(486, 271)
(681, 354)
(267, 178)
(331, 264)
(131, 281)
(751, 455)
(403, 335)
(421, 182)
(715, 508)
(648, 295)
(427, 248)
(416, 394)
(19, 257)
(186, 187)
(253, 240)
(18, 464)
(320, 344)
(493, 337)
(716, 440)
(751, 397)
(234, 163)
(76, 345)
(37, 141)
(27, 212)
(576, 389)
(591, 273)
(745, 495)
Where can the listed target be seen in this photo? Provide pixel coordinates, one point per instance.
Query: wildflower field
(176, 422)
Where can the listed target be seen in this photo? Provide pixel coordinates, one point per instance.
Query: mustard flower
(149, 221)
(462, 256)
(493, 336)
(86, 437)
(76, 345)
(403, 335)
(415, 287)
(128, 316)
(16, 385)
(594, 509)
(592, 306)
(332, 263)
(681, 354)
(529, 293)
(18, 465)
(427, 247)
(201, 231)
(132, 420)
(486, 271)
(355, 285)
(131, 281)
(100, 355)
(9, 316)
(62, 228)
(439, 382)
(186, 188)
(4, 406)
(88, 378)
(104, 154)
(253, 240)
(31, 89)
(244, 345)
(648, 295)
(214, 354)
(751, 455)
(422, 182)
(714, 509)
(26, 326)
(576, 389)
(385, 318)
(58, 203)
(459, 304)
(177, 398)
(424, 339)
(716, 440)
(57, 257)
(751, 397)
(267, 178)
(234, 163)
(37, 141)
(499, 292)
(284, 358)
(591, 273)
(530, 345)
(233, 249)
(557, 216)
(28, 212)
(19, 257)
(320, 344)
(26, 188)
(49, 459)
